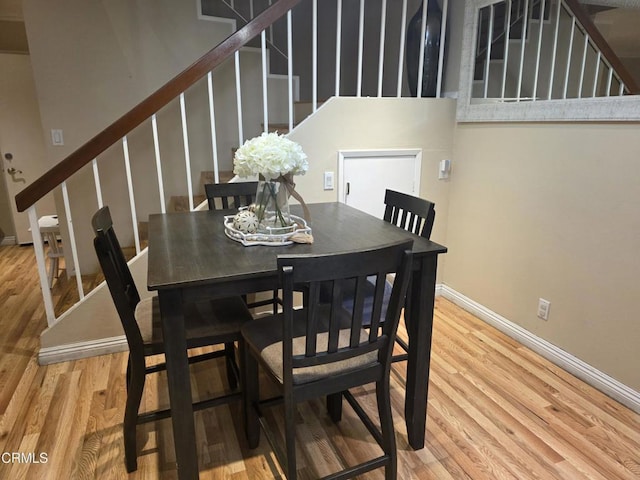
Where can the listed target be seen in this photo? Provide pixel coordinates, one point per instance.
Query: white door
(365, 175)
(22, 148)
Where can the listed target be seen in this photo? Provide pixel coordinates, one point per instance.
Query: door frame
(5, 204)
(344, 155)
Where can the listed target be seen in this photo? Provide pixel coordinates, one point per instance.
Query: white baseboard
(76, 351)
(568, 362)
(594, 377)
(8, 241)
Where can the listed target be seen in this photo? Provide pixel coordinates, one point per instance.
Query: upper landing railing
(534, 50)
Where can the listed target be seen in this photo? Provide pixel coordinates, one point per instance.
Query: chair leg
(51, 272)
(128, 376)
(275, 301)
(250, 395)
(334, 406)
(135, 384)
(290, 438)
(383, 397)
(230, 358)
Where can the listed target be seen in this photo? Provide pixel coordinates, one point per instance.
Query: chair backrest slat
(378, 301)
(417, 215)
(242, 194)
(358, 310)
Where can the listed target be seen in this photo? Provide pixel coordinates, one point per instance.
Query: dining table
(191, 258)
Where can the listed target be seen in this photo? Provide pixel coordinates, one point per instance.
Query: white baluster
(265, 89)
(239, 98)
(569, 55)
(96, 180)
(132, 202)
(423, 29)
(290, 66)
(508, 6)
(487, 63)
(555, 49)
(339, 43)
(523, 42)
(403, 35)
(596, 75)
(72, 240)
(314, 59)
(383, 24)
(187, 154)
(156, 150)
(609, 77)
(443, 36)
(535, 78)
(360, 48)
(584, 63)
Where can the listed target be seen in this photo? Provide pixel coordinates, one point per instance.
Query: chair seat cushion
(221, 318)
(264, 335)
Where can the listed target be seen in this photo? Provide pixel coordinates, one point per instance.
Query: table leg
(419, 327)
(179, 382)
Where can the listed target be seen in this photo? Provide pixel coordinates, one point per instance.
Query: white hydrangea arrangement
(270, 155)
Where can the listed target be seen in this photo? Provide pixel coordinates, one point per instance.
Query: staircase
(156, 157)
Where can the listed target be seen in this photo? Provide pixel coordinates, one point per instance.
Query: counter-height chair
(224, 196)
(410, 213)
(324, 350)
(215, 322)
(415, 215)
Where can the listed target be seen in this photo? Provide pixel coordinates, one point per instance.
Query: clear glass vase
(272, 207)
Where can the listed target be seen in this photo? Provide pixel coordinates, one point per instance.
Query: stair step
(281, 128)
(208, 177)
(143, 233)
(180, 203)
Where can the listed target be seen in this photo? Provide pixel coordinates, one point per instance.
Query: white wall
(93, 62)
(551, 210)
(379, 123)
(21, 136)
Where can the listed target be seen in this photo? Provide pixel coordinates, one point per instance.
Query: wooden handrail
(587, 24)
(145, 109)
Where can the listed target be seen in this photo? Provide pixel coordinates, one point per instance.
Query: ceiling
(620, 27)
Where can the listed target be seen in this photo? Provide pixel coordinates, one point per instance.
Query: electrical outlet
(543, 308)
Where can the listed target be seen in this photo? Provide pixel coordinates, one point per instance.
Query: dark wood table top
(191, 249)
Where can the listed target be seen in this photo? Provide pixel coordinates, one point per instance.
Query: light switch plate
(328, 180)
(56, 137)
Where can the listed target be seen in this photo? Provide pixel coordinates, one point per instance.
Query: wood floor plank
(497, 410)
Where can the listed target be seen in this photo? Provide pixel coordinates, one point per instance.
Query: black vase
(431, 49)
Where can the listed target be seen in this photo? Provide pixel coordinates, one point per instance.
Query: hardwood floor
(496, 410)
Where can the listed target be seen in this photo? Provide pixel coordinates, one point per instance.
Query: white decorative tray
(277, 237)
